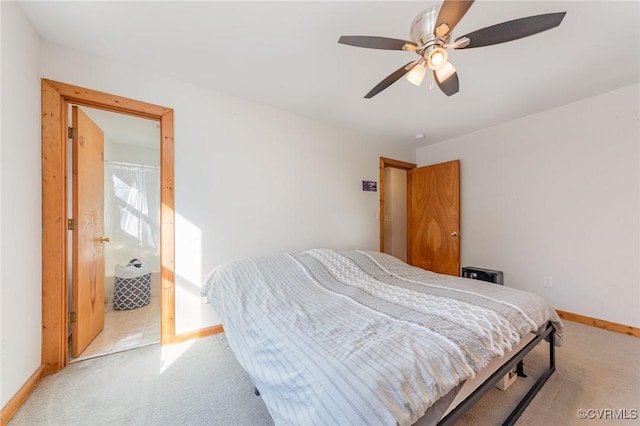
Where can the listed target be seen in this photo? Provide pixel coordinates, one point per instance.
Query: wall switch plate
(548, 281)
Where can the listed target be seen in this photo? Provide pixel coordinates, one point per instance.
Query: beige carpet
(595, 369)
(200, 382)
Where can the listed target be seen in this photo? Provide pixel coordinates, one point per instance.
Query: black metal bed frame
(470, 401)
(516, 360)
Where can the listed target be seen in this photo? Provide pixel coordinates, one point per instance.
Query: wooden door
(433, 222)
(88, 237)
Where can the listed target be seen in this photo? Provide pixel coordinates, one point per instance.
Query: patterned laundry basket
(132, 286)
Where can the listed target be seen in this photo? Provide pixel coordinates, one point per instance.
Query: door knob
(104, 239)
(454, 234)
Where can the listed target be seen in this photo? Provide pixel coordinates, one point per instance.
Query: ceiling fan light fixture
(437, 58)
(430, 34)
(416, 75)
(445, 71)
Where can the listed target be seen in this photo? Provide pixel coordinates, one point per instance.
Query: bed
(360, 337)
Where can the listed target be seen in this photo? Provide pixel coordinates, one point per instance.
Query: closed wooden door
(88, 237)
(433, 222)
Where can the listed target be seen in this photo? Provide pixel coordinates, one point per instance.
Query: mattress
(359, 337)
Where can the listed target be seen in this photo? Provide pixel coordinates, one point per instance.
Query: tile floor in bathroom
(125, 330)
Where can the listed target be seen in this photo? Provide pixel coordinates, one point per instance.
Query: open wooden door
(433, 222)
(88, 236)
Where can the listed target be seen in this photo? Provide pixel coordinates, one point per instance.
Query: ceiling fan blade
(451, 12)
(391, 78)
(447, 79)
(512, 30)
(372, 42)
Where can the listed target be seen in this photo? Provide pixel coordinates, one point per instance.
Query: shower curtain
(132, 214)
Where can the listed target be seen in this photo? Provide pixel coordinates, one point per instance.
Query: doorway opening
(393, 206)
(131, 158)
(56, 97)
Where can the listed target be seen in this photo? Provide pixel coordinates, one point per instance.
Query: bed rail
(474, 397)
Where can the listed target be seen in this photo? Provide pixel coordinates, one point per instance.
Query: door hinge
(72, 224)
(72, 132)
(73, 317)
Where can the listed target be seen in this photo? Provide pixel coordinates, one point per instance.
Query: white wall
(249, 179)
(133, 154)
(557, 194)
(21, 208)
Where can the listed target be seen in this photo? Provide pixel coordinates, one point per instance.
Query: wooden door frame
(396, 164)
(56, 97)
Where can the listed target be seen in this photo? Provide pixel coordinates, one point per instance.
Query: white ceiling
(285, 54)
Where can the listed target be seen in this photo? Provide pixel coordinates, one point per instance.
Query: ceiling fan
(430, 35)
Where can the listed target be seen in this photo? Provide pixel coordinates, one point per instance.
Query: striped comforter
(357, 337)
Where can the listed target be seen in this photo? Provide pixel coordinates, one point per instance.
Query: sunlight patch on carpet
(171, 353)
